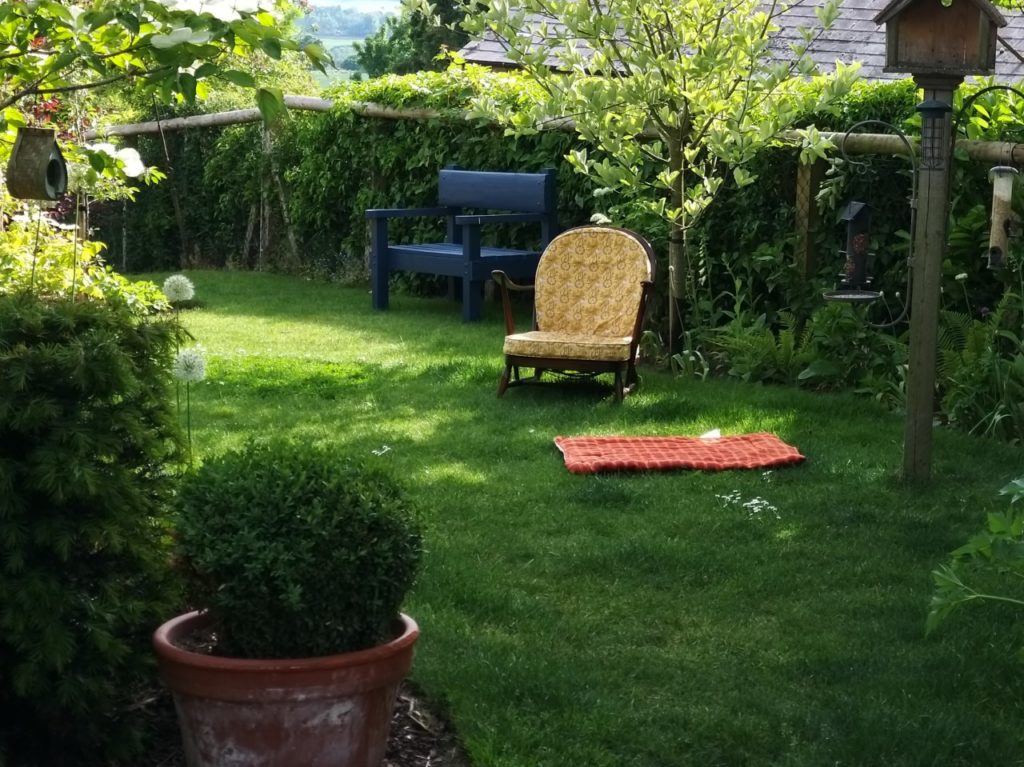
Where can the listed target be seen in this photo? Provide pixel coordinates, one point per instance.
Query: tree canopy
(674, 96)
(170, 49)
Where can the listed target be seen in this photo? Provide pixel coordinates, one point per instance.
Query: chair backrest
(498, 190)
(589, 281)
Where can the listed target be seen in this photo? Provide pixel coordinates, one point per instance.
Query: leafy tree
(169, 49)
(412, 41)
(672, 96)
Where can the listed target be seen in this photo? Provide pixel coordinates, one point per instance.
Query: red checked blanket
(586, 455)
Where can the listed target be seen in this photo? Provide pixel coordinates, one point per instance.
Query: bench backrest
(496, 190)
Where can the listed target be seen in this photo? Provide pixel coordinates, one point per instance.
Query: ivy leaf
(271, 47)
(271, 103)
(187, 85)
(243, 79)
(206, 70)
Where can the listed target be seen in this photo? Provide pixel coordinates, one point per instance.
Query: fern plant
(981, 370)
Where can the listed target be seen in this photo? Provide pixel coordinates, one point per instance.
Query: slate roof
(854, 37)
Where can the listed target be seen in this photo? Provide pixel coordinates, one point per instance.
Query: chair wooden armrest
(506, 284)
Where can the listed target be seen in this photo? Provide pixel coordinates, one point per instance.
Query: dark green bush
(88, 432)
(297, 551)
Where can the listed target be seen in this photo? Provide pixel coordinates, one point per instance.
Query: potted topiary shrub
(300, 560)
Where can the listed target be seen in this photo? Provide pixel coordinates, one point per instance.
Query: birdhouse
(36, 169)
(926, 37)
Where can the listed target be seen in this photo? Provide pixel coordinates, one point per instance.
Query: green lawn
(637, 620)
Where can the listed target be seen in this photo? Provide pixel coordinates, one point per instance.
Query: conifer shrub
(296, 550)
(87, 434)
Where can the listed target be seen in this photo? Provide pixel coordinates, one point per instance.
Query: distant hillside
(351, 19)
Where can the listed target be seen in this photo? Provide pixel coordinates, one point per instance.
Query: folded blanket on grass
(587, 455)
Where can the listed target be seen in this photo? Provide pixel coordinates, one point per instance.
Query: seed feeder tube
(1002, 178)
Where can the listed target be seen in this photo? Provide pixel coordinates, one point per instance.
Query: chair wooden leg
(537, 373)
(632, 379)
(503, 381)
(620, 393)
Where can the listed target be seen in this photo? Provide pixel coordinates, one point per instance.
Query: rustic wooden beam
(241, 116)
(808, 180)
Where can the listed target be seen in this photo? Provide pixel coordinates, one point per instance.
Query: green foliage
(989, 567)
(666, 128)
(413, 41)
(335, 165)
(833, 350)
(163, 50)
(296, 550)
(88, 435)
(981, 370)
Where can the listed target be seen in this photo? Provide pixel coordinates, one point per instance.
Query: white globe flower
(600, 219)
(133, 165)
(178, 288)
(190, 365)
(107, 149)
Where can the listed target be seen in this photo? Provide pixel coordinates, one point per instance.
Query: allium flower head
(600, 219)
(961, 277)
(190, 365)
(178, 288)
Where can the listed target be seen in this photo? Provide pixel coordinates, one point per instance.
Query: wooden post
(929, 247)
(808, 181)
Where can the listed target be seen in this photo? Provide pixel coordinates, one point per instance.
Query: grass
(643, 619)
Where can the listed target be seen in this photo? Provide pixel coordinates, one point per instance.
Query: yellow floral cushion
(538, 343)
(589, 282)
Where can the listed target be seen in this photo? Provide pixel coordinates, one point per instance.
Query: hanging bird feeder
(1002, 178)
(36, 170)
(854, 282)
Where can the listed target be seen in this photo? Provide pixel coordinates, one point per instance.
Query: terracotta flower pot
(310, 712)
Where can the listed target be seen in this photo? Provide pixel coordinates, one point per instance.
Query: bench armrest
(497, 218)
(407, 212)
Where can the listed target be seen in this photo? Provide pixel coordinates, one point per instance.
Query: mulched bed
(419, 737)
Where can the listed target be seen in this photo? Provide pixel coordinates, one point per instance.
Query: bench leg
(379, 263)
(472, 292)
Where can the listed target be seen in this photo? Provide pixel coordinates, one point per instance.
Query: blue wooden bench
(462, 195)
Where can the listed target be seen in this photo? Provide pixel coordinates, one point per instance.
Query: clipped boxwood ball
(296, 550)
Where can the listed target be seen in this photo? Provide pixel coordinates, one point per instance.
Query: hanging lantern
(1002, 178)
(36, 170)
(935, 146)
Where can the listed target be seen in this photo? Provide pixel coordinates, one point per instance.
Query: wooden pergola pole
(929, 247)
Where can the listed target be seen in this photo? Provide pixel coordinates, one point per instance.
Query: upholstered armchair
(590, 294)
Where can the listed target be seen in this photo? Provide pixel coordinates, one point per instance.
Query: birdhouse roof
(897, 6)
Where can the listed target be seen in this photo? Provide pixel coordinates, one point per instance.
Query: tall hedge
(88, 436)
(332, 166)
